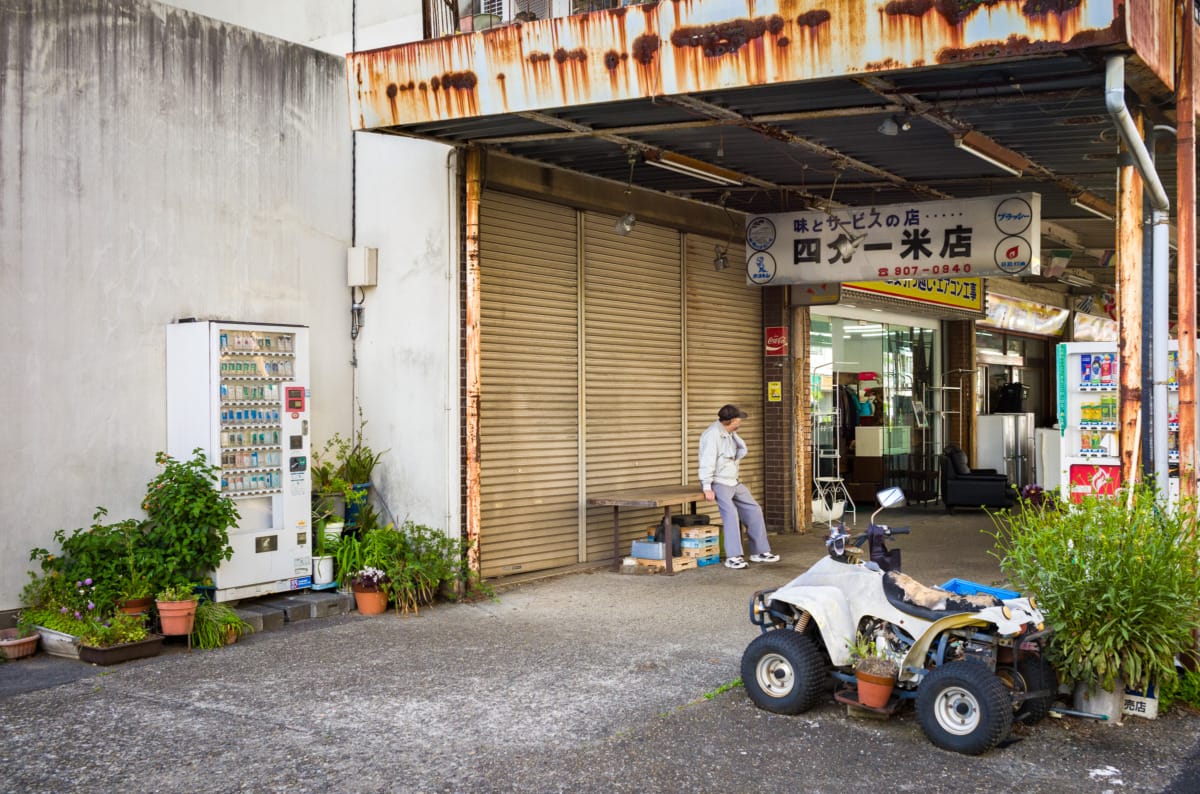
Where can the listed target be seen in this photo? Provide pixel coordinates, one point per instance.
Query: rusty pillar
(1129, 302)
(1185, 280)
(474, 180)
(802, 455)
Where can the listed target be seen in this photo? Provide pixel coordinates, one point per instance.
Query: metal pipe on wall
(474, 181)
(1185, 278)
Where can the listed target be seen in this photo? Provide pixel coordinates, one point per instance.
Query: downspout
(1114, 100)
(1185, 278)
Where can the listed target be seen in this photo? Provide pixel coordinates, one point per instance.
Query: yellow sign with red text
(957, 293)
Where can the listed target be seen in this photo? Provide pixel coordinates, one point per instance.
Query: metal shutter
(724, 354)
(529, 403)
(633, 362)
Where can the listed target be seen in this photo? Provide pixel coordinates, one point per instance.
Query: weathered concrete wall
(153, 165)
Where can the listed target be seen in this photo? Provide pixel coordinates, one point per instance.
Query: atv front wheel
(963, 707)
(783, 672)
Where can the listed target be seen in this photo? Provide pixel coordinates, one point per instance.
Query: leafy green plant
(865, 657)
(1117, 578)
(177, 592)
(215, 623)
(115, 630)
(188, 520)
(51, 618)
(1181, 688)
(105, 553)
(418, 561)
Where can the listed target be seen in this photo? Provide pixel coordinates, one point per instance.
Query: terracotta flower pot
(874, 691)
(13, 646)
(136, 606)
(176, 617)
(370, 602)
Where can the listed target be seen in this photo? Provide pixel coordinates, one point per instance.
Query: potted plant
(59, 610)
(874, 673)
(1118, 581)
(370, 590)
(217, 625)
(176, 609)
(188, 521)
(325, 543)
(121, 638)
(18, 643)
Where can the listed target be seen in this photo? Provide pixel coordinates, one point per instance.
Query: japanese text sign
(991, 236)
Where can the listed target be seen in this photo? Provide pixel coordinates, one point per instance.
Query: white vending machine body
(240, 392)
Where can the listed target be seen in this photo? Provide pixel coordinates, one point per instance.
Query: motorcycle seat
(930, 603)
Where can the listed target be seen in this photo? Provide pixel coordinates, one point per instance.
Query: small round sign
(760, 233)
(760, 267)
(1013, 255)
(1013, 215)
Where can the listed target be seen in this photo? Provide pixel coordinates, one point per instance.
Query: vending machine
(1089, 418)
(240, 392)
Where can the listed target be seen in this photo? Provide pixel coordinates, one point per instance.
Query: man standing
(721, 449)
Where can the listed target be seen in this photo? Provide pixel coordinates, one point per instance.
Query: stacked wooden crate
(701, 543)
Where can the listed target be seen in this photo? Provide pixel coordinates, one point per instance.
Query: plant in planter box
(188, 521)
(116, 630)
(217, 625)
(1117, 578)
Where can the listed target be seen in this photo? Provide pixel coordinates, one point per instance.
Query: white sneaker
(735, 562)
(768, 557)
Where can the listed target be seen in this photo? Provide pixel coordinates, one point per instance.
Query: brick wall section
(778, 418)
(960, 355)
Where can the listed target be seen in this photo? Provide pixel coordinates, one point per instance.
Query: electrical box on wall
(362, 266)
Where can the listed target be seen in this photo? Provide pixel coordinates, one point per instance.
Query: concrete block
(261, 617)
(293, 608)
(324, 603)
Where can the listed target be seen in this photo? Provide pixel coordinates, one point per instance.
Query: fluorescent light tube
(697, 169)
(989, 151)
(1092, 203)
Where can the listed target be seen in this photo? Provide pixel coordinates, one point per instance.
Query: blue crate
(965, 587)
(698, 543)
(706, 561)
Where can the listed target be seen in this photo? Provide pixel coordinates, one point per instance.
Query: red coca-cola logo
(777, 341)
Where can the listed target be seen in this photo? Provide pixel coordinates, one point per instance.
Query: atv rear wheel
(783, 671)
(963, 707)
(1033, 673)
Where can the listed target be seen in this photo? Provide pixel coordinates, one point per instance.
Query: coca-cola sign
(777, 340)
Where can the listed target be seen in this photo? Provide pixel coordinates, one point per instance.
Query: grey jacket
(720, 452)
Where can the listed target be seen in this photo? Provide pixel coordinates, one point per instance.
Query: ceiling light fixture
(989, 151)
(689, 166)
(894, 125)
(1092, 203)
(1074, 280)
(627, 221)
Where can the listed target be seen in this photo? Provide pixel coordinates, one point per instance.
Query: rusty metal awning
(791, 105)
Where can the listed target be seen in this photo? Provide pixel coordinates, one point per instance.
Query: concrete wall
(153, 165)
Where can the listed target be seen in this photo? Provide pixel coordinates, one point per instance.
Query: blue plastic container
(964, 587)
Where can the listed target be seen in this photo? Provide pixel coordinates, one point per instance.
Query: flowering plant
(62, 607)
(117, 630)
(369, 578)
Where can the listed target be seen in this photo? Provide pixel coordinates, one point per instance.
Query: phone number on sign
(916, 270)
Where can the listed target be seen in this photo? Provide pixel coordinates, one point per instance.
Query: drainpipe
(474, 185)
(1114, 100)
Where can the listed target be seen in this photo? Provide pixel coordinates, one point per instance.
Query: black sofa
(963, 486)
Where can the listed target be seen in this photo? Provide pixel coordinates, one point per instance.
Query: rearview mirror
(890, 497)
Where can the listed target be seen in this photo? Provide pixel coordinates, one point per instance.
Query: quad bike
(972, 663)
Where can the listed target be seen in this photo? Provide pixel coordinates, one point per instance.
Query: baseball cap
(731, 411)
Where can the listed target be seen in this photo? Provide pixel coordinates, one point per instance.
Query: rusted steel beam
(663, 49)
(474, 191)
(1129, 301)
(1185, 279)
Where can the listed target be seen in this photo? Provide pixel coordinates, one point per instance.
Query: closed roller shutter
(724, 355)
(633, 390)
(529, 404)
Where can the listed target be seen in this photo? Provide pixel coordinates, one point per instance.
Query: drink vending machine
(1089, 419)
(240, 392)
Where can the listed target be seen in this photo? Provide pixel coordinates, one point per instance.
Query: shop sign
(989, 236)
(1090, 328)
(956, 293)
(774, 391)
(777, 340)
(1030, 317)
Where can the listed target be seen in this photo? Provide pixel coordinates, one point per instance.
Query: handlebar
(888, 532)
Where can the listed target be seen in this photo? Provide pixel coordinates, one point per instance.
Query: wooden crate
(678, 564)
(701, 531)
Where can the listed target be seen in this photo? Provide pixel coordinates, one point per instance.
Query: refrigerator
(240, 392)
(1005, 442)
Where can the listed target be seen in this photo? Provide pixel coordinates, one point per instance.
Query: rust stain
(726, 38)
(578, 55)
(612, 59)
(811, 19)
(538, 57)
(645, 48)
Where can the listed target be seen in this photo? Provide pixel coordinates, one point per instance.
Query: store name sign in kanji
(992, 236)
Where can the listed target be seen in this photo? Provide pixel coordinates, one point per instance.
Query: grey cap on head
(730, 411)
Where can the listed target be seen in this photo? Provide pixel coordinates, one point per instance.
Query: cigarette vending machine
(1089, 419)
(240, 392)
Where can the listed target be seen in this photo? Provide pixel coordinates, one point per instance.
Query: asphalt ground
(588, 682)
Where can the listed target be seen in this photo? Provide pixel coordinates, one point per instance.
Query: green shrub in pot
(1117, 578)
